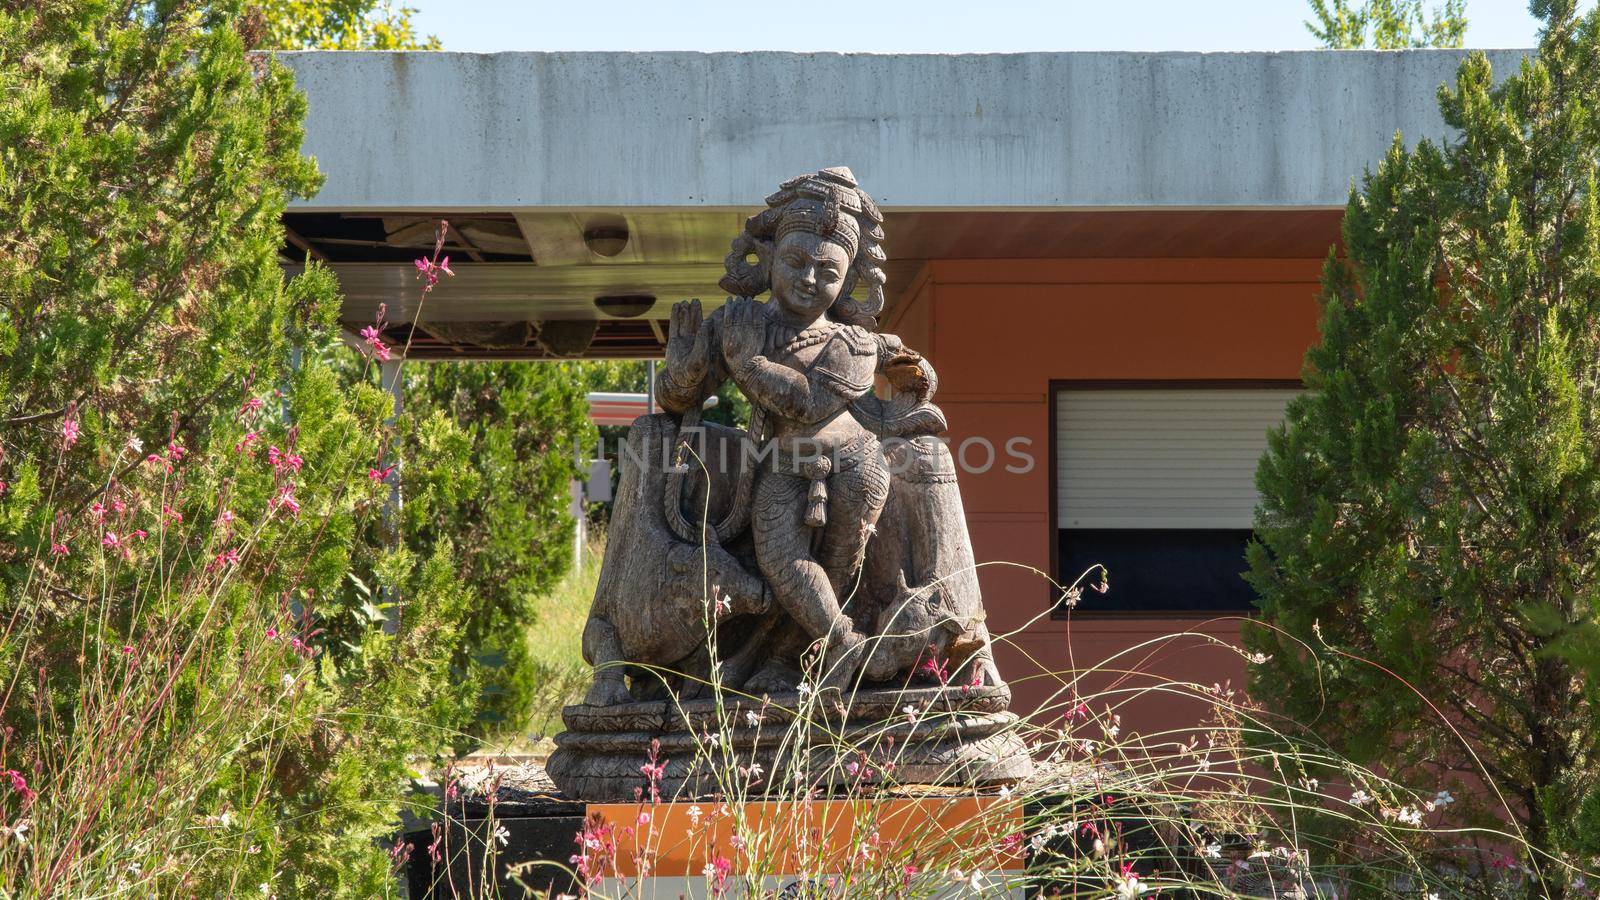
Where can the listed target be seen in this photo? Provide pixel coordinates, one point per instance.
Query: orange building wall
(998, 332)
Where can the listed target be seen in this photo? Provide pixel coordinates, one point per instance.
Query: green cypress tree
(1430, 514)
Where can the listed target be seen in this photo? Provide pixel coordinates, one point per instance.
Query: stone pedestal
(926, 736)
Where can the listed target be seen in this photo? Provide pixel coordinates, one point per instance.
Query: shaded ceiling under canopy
(598, 284)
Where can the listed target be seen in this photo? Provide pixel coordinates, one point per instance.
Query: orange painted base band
(678, 839)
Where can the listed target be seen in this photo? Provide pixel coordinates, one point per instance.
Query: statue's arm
(789, 393)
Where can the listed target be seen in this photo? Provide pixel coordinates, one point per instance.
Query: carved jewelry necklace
(795, 341)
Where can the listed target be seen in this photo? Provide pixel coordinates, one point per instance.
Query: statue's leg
(798, 581)
(855, 500)
(603, 650)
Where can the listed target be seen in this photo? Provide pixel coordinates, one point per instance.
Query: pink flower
(2, 487)
(19, 785)
(119, 506)
(228, 557)
(272, 634)
(175, 451)
(428, 270)
(283, 459)
(170, 514)
(140, 533)
(58, 549)
(250, 437)
(110, 540)
(97, 512)
(254, 404)
(127, 650)
(375, 343)
(286, 500)
(226, 518)
(379, 474)
(69, 429)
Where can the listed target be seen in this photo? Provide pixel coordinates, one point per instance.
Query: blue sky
(906, 25)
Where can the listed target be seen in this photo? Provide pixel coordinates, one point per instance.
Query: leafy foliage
(525, 424)
(1431, 508)
(340, 25)
(1387, 24)
(199, 691)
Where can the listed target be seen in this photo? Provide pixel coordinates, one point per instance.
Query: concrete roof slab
(524, 131)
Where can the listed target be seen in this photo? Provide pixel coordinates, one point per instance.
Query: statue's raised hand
(686, 343)
(744, 331)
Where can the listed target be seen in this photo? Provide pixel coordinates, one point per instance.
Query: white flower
(911, 711)
(1211, 851)
(502, 835)
(17, 832)
(135, 445)
(135, 868)
(1130, 888)
(973, 881)
(288, 681)
(1360, 798)
(1038, 841)
(752, 718)
(1112, 730)
(709, 871)
(1430, 896)
(756, 771)
(1005, 792)
(1443, 798)
(1410, 816)
(695, 812)
(804, 689)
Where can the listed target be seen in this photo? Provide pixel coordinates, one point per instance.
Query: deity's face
(808, 272)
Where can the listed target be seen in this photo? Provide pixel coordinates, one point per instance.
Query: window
(1157, 483)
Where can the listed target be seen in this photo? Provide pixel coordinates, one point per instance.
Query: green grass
(555, 641)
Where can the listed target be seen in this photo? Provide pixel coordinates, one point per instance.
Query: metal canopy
(504, 298)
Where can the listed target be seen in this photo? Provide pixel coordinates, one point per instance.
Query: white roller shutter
(1161, 458)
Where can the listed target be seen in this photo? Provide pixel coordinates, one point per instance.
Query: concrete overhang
(981, 155)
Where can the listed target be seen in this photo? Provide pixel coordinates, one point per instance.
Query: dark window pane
(1160, 570)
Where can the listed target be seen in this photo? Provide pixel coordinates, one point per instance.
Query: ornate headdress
(828, 203)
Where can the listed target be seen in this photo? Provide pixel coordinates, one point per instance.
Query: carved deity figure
(826, 542)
